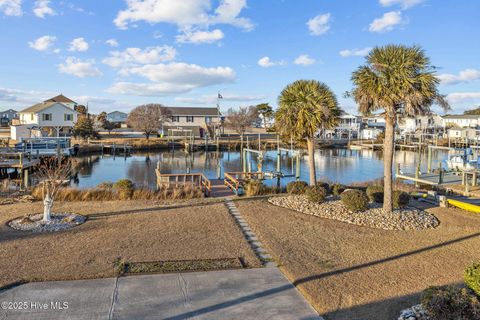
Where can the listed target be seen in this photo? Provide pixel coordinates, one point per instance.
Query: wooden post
(26, 181)
(244, 160)
(440, 173)
(279, 155)
(429, 160)
(417, 175)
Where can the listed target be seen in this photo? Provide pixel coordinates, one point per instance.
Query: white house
(374, 121)
(117, 117)
(63, 100)
(462, 133)
(196, 119)
(370, 133)
(44, 119)
(427, 123)
(461, 120)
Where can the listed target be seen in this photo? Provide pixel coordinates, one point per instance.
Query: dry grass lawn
(353, 272)
(129, 230)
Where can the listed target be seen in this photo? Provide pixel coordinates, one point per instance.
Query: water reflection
(340, 165)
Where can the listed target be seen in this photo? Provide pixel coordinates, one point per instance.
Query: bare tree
(241, 119)
(148, 118)
(52, 175)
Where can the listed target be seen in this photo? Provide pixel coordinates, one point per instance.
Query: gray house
(7, 116)
(117, 117)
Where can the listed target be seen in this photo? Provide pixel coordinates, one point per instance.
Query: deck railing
(183, 179)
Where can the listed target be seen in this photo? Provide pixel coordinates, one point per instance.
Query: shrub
(125, 188)
(105, 185)
(375, 193)
(400, 199)
(316, 193)
(254, 188)
(297, 187)
(472, 277)
(324, 185)
(448, 303)
(355, 200)
(338, 188)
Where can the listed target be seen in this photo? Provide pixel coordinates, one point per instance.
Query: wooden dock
(432, 179)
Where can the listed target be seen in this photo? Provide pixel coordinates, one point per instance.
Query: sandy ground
(353, 272)
(129, 230)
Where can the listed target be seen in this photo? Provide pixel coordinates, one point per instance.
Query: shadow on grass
(381, 308)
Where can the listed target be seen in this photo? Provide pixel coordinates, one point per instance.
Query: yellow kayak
(465, 206)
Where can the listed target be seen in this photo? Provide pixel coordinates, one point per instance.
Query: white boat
(461, 163)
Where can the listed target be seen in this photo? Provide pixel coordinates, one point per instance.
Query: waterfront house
(7, 116)
(117, 117)
(370, 133)
(44, 119)
(462, 133)
(195, 120)
(376, 120)
(461, 121)
(427, 123)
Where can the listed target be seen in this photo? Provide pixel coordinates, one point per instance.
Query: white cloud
(320, 24)
(304, 59)
(136, 56)
(42, 9)
(211, 99)
(355, 52)
(172, 78)
(184, 13)
(200, 36)
(78, 44)
(43, 43)
(22, 97)
(265, 62)
(405, 4)
(11, 7)
(466, 75)
(463, 97)
(387, 22)
(79, 68)
(112, 42)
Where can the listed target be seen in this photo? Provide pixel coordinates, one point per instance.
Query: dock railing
(235, 180)
(182, 179)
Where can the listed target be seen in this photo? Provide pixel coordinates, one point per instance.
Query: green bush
(324, 185)
(375, 193)
(472, 277)
(297, 187)
(400, 199)
(125, 188)
(316, 193)
(450, 303)
(355, 200)
(338, 188)
(255, 188)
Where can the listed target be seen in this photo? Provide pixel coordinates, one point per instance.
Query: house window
(189, 118)
(175, 119)
(68, 117)
(208, 119)
(46, 116)
(31, 116)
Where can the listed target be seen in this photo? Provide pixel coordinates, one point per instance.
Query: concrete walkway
(262, 293)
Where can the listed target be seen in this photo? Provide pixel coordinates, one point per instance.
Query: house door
(202, 132)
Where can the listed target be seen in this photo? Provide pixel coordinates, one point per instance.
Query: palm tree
(400, 81)
(305, 106)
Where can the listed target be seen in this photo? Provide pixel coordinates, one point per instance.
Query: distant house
(374, 121)
(7, 116)
(428, 123)
(461, 120)
(462, 133)
(196, 119)
(117, 117)
(44, 119)
(370, 133)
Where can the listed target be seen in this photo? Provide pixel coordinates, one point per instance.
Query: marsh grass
(103, 193)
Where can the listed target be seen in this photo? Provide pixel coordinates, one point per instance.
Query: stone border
(249, 235)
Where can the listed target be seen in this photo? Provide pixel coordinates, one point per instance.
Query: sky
(118, 54)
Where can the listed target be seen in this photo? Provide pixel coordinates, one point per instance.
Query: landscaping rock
(414, 313)
(407, 218)
(59, 222)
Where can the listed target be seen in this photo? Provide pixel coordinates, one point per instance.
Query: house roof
(43, 106)
(193, 111)
(60, 98)
(461, 116)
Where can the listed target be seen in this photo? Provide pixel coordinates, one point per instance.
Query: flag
(220, 96)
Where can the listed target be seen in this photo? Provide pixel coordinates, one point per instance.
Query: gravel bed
(59, 222)
(414, 313)
(408, 218)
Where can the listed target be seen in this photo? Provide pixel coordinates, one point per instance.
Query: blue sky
(117, 54)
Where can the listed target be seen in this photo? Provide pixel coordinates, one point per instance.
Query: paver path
(262, 293)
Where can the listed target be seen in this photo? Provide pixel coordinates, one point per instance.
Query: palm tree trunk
(388, 150)
(311, 160)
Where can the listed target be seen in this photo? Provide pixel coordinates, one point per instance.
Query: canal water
(335, 165)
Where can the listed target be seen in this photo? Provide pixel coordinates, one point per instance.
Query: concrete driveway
(262, 293)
